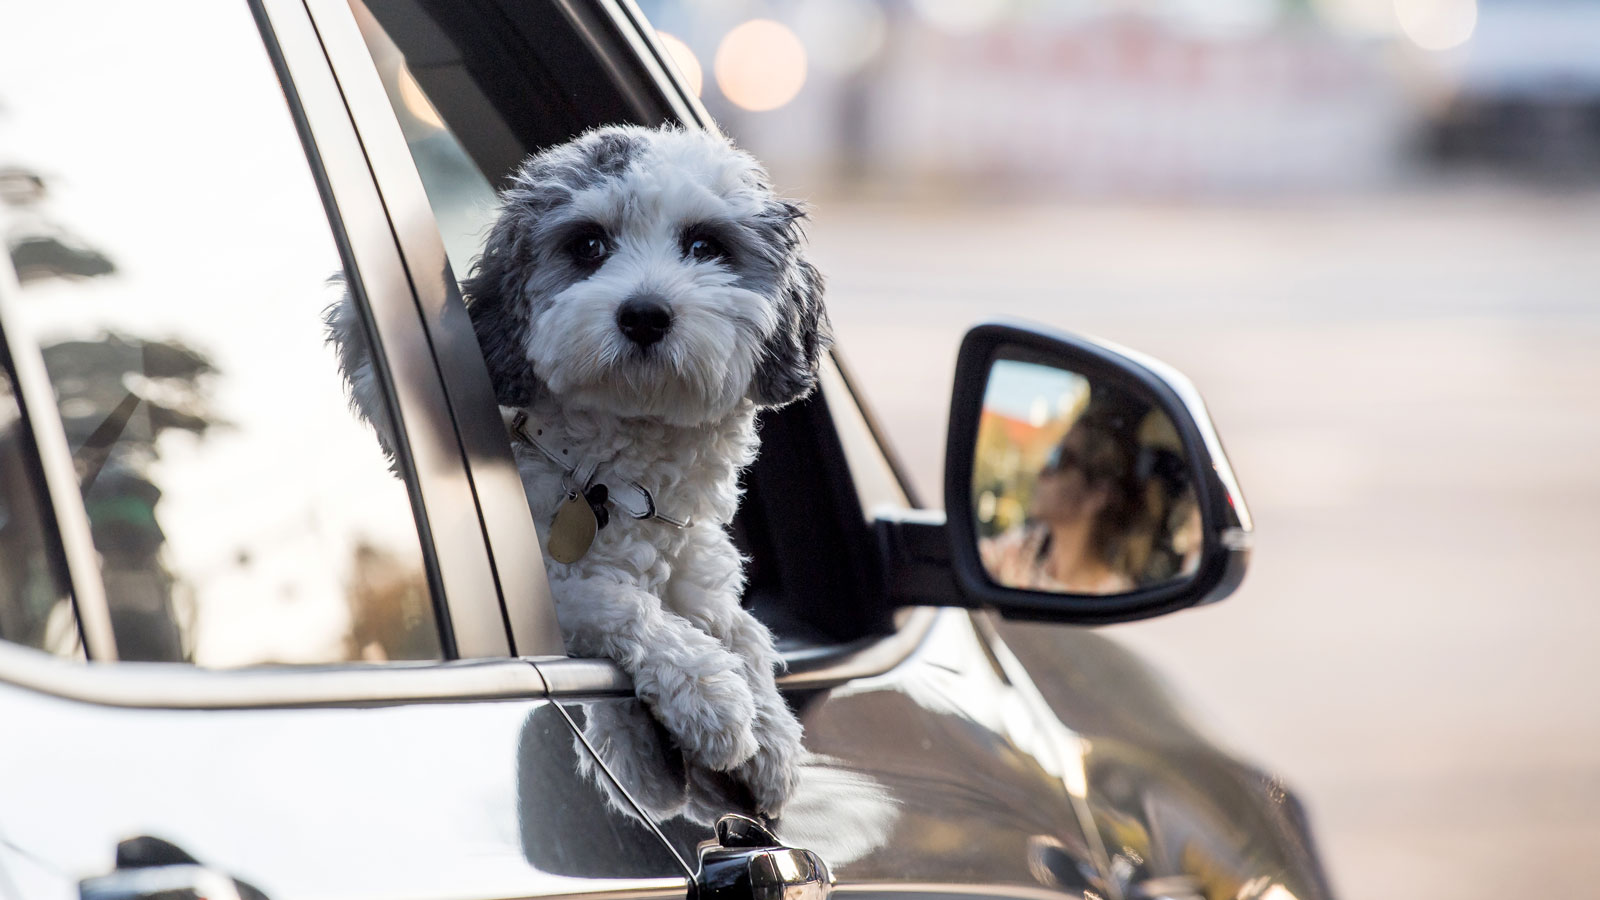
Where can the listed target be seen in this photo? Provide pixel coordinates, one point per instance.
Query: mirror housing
(933, 558)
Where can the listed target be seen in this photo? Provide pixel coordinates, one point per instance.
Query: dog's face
(647, 273)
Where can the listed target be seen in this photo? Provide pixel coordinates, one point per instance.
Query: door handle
(748, 863)
(152, 869)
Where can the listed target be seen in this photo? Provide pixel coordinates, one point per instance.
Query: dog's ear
(790, 358)
(498, 306)
(348, 334)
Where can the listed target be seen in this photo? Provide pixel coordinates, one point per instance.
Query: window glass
(462, 199)
(35, 609)
(175, 261)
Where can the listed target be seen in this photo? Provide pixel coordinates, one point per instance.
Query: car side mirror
(1084, 483)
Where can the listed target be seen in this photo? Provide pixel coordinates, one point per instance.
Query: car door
(929, 770)
(239, 638)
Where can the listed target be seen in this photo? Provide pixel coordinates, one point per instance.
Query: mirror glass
(1080, 486)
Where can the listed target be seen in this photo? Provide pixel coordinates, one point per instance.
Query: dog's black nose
(644, 320)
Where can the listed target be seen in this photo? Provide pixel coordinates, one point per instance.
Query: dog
(640, 296)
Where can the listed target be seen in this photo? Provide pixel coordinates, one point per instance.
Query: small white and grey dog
(641, 294)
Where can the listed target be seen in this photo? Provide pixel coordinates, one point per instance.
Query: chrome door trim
(809, 669)
(569, 678)
(448, 518)
(898, 890)
(137, 685)
(628, 889)
(502, 510)
(65, 499)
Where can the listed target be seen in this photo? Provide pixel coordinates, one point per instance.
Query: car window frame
(451, 525)
(463, 586)
(506, 525)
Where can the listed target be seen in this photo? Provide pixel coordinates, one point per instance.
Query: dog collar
(582, 474)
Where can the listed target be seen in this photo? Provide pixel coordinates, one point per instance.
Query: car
(245, 652)
(1524, 93)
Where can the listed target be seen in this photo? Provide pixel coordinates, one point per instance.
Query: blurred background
(1369, 230)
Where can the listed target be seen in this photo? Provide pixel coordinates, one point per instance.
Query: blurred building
(1158, 98)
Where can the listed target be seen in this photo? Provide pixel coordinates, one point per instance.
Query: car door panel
(1171, 806)
(460, 800)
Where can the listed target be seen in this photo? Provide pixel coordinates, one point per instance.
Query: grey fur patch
(792, 356)
(552, 176)
(613, 152)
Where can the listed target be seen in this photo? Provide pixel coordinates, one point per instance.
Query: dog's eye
(701, 248)
(588, 249)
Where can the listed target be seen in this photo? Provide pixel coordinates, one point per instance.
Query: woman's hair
(1107, 461)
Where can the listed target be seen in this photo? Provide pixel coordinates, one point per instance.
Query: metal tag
(572, 530)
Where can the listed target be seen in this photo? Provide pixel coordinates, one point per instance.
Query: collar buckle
(627, 495)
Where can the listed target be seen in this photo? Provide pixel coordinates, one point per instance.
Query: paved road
(1409, 387)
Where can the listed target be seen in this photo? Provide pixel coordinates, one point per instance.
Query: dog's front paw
(711, 716)
(630, 743)
(773, 774)
(724, 737)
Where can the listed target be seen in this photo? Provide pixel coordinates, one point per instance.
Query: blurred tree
(117, 396)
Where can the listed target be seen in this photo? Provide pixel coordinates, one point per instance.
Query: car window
(175, 260)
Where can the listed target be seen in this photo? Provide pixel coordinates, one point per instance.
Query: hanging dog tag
(572, 530)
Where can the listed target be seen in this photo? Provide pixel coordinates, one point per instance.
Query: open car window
(803, 525)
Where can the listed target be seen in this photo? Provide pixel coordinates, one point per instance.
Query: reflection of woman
(1082, 508)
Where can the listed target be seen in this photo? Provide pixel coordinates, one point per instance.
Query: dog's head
(652, 273)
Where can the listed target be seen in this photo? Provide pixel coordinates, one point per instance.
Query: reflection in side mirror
(1079, 485)
(1084, 483)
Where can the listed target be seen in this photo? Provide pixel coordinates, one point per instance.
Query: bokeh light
(1437, 24)
(760, 65)
(684, 58)
(841, 35)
